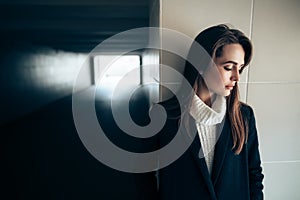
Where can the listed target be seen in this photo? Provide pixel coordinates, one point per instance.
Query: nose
(235, 75)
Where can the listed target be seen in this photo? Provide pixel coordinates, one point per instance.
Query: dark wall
(34, 76)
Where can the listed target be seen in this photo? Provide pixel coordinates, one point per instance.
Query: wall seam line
(250, 35)
(281, 162)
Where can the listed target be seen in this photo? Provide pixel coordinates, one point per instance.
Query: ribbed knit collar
(206, 115)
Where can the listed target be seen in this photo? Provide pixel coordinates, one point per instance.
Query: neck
(206, 96)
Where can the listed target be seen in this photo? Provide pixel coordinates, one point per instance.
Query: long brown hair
(213, 40)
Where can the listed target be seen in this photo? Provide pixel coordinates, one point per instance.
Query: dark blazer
(233, 176)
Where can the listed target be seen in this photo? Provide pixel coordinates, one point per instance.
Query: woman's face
(222, 77)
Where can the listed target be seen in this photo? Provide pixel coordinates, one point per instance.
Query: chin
(222, 92)
(226, 93)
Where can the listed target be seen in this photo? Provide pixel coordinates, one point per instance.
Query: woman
(223, 160)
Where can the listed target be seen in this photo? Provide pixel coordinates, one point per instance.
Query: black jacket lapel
(221, 148)
(196, 150)
(200, 161)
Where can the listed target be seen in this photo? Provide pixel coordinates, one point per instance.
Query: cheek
(215, 81)
(224, 76)
(214, 75)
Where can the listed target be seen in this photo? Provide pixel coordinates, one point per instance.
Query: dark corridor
(43, 44)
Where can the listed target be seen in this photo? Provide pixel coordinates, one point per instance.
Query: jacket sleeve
(254, 162)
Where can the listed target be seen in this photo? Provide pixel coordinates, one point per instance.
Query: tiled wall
(271, 85)
(274, 86)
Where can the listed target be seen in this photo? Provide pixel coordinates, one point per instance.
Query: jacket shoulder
(247, 110)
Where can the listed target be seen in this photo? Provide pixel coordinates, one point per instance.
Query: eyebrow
(232, 62)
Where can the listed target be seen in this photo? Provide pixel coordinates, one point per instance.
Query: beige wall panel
(276, 33)
(282, 181)
(278, 115)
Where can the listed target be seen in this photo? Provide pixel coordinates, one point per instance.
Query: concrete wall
(270, 85)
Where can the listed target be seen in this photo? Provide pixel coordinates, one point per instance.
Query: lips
(229, 87)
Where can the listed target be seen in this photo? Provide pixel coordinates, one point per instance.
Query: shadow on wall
(43, 157)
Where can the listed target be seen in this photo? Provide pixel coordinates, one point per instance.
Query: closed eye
(227, 68)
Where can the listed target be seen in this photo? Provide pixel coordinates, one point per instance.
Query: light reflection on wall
(35, 76)
(54, 68)
(113, 69)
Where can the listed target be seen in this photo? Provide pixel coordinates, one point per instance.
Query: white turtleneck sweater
(207, 119)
